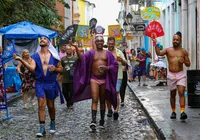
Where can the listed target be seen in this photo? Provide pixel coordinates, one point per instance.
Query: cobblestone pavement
(74, 124)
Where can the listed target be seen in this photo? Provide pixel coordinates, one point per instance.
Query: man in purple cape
(96, 77)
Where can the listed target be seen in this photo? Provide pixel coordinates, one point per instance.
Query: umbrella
(26, 30)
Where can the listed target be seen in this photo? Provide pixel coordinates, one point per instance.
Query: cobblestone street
(74, 124)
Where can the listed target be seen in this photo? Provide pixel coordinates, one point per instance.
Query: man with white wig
(96, 76)
(45, 65)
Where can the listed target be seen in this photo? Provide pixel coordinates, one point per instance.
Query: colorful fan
(154, 29)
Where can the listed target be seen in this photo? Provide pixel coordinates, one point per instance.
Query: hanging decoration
(114, 31)
(83, 33)
(150, 13)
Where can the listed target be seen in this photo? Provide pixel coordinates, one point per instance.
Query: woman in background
(134, 64)
(27, 79)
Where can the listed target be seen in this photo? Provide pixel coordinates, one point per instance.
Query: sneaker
(138, 85)
(110, 113)
(173, 115)
(183, 116)
(145, 85)
(42, 132)
(52, 128)
(115, 115)
(101, 123)
(71, 107)
(122, 103)
(93, 126)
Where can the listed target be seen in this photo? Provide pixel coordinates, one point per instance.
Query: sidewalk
(155, 100)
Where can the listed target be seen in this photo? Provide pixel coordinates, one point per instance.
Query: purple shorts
(140, 71)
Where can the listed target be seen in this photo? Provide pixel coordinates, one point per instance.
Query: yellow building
(82, 11)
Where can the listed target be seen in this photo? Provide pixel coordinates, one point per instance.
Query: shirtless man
(176, 56)
(45, 67)
(97, 72)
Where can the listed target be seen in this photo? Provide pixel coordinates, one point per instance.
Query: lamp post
(129, 18)
(132, 25)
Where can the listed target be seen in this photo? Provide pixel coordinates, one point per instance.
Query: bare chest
(45, 58)
(175, 54)
(100, 57)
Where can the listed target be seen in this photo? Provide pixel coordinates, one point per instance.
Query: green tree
(40, 12)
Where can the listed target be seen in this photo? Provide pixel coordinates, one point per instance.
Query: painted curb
(158, 131)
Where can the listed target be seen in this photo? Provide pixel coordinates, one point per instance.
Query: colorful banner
(114, 31)
(83, 32)
(150, 13)
(88, 43)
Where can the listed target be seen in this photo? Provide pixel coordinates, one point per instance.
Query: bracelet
(157, 44)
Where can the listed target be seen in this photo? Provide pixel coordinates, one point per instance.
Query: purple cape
(82, 75)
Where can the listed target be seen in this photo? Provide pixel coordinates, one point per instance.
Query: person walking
(132, 58)
(62, 53)
(45, 65)
(177, 57)
(124, 81)
(141, 69)
(121, 62)
(96, 77)
(27, 77)
(68, 64)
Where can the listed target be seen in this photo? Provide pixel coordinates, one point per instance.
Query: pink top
(62, 54)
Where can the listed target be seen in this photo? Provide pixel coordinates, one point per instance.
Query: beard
(110, 48)
(69, 53)
(42, 46)
(175, 45)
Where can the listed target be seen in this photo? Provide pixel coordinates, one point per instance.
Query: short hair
(132, 50)
(179, 34)
(111, 38)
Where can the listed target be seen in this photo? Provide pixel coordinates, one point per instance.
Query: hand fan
(154, 29)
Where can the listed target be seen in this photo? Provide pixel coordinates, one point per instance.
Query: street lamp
(129, 18)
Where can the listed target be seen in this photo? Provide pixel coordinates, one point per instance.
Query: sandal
(25, 106)
(32, 102)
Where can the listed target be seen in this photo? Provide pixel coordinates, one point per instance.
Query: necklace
(45, 56)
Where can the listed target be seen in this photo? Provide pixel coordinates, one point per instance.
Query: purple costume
(46, 84)
(82, 76)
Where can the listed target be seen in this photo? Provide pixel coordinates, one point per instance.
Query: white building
(181, 15)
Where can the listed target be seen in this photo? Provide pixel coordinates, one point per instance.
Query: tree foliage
(40, 12)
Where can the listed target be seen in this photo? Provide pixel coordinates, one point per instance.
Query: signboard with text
(139, 26)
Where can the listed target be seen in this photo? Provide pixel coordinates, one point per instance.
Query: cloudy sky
(106, 12)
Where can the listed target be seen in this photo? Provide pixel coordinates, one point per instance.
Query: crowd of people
(138, 65)
(100, 74)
